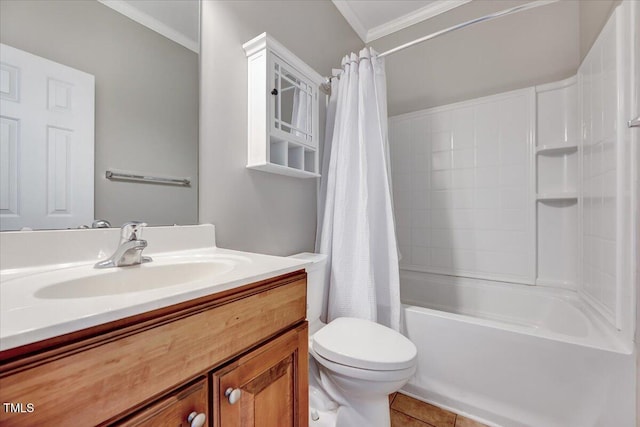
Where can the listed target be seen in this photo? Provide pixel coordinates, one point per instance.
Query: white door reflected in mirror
(46, 143)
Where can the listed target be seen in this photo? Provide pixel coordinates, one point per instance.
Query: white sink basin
(48, 286)
(124, 280)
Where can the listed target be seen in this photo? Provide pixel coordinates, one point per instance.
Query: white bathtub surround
(464, 189)
(358, 230)
(40, 268)
(635, 153)
(557, 162)
(560, 353)
(516, 356)
(533, 186)
(608, 186)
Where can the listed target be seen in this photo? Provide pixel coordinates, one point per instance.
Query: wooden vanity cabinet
(265, 387)
(157, 368)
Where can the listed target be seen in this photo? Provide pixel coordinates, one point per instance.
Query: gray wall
(532, 47)
(593, 15)
(525, 49)
(253, 210)
(146, 100)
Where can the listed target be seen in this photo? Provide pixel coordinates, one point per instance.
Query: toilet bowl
(360, 363)
(354, 364)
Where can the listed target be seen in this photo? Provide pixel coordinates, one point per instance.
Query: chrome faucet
(100, 223)
(130, 249)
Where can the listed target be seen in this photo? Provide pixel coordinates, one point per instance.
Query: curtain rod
(431, 36)
(489, 17)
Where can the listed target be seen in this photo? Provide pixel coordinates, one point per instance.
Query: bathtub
(515, 355)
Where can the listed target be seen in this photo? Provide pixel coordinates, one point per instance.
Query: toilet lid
(364, 344)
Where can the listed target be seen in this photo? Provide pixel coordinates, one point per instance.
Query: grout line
(408, 415)
(417, 419)
(455, 416)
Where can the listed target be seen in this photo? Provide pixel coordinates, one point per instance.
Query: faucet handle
(100, 223)
(131, 231)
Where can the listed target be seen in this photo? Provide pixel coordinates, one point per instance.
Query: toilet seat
(363, 345)
(363, 374)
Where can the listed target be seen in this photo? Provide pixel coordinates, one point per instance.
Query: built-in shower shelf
(557, 149)
(569, 195)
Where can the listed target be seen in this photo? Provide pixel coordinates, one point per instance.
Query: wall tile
(419, 236)
(487, 177)
(441, 219)
(420, 200)
(441, 121)
(420, 163)
(419, 255)
(513, 176)
(462, 159)
(487, 198)
(441, 258)
(441, 141)
(440, 199)
(463, 128)
(441, 238)
(513, 219)
(468, 187)
(442, 179)
(401, 182)
(403, 234)
(599, 89)
(462, 219)
(420, 180)
(421, 218)
(441, 160)
(488, 155)
(462, 199)
(513, 198)
(463, 178)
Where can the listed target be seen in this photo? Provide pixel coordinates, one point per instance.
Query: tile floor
(409, 412)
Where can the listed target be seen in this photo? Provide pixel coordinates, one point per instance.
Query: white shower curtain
(355, 217)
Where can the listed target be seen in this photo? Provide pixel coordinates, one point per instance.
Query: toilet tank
(316, 283)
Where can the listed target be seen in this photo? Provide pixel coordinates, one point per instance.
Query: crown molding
(435, 8)
(352, 18)
(152, 23)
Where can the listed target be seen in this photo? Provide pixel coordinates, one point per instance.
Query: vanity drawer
(100, 382)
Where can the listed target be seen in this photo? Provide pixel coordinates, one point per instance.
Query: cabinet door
(174, 410)
(293, 104)
(269, 385)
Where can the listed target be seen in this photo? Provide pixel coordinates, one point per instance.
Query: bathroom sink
(124, 280)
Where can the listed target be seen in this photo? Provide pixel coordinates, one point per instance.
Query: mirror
(145, 112)
(293, 103)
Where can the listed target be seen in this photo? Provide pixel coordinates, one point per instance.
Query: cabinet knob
(233, 395)
(196, 420)
(274, 92)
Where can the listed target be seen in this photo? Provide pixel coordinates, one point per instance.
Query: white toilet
(354, 365)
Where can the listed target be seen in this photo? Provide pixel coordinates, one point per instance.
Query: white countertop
(26, 316)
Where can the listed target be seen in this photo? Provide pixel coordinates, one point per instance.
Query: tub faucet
(130, 249)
